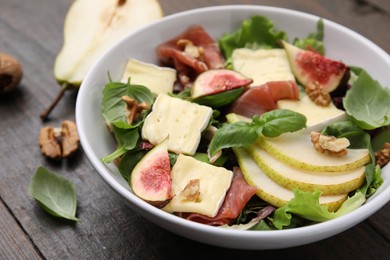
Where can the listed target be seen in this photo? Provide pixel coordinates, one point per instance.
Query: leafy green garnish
(127, 140)
(255, 33)
(55, 194)
(113, 107)
(314, 40)
(128, 161)
(270, 124)
(220, 99)
(114, 112)
(306, 205)
(367, 102)
(358, 139)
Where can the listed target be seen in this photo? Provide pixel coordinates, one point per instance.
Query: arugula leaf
(55, 194)
(367, 102)
(270, 124)
(314, 40)
(255, 33)
(113, 107)
(306, 205)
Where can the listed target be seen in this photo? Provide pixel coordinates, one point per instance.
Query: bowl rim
(342, 222)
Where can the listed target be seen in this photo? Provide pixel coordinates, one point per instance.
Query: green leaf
(129, 161)
(234, 135)
(55, 194)
(314, 40)
(356, 136)
(306, 205)
(126, 138)
(243, 133)
(367, 102)
(255, 32)
(220, 99)
(114, 108)
(279, 121)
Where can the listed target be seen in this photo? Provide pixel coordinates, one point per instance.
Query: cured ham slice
(260, 99)
(173, 53)
(236, 198)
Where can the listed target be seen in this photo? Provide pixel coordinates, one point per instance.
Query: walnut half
(383, 156)
(317, 94)
(329, 144)
(59, 142)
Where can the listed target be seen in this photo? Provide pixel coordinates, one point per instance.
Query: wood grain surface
(32, 31)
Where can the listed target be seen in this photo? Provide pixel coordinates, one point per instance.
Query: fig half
(217, 81)
(151, 177)
(308, 66)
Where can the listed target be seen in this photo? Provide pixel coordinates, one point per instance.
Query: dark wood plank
(14, 243)
(32, 31)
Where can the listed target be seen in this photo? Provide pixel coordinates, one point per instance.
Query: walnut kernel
(317, 94)
(191, 191)
(383, 156)
(190, 49)
(133, 108)
(59, 142)
(329, 144)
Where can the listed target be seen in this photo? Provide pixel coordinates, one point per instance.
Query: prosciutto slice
(173, 54)
(260, 99)
(236, 198)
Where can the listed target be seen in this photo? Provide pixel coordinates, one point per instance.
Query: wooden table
(31, 30)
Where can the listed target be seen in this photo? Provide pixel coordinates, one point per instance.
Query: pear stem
(45, 114)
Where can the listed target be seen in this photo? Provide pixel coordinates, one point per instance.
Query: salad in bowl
(241, 130)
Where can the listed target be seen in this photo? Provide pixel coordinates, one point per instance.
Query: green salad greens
(366, 126)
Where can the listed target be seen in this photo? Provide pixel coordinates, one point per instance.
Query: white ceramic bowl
(341, 43)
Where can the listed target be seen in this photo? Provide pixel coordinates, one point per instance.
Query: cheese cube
(157, 79)
(182, 122)
(262, 65)
(214, 182)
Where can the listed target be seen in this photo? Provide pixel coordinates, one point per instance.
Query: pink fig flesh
(309, 66)
(151, 179)
(217, 81)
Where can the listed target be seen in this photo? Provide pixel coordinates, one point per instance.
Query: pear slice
(330, 183)
(296, 149)
(270, 191)
(315, 115)
(90, 28)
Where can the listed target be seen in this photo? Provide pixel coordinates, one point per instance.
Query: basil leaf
(367, 102)
(220, 99)
(255, 33)
(114, 108)
(279, 121)
(127, 140)
(55, 194)
(234, 135)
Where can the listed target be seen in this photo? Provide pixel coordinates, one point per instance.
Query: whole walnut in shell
(10, 73)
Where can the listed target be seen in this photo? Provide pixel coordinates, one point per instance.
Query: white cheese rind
(214, 183)
(182, 122)
(157, 79)
(263, 65)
